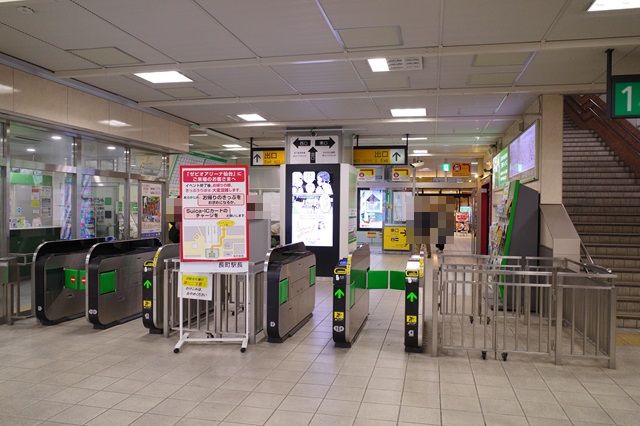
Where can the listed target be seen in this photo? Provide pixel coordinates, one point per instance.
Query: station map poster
(214, 214)
(151, 224)
(370, 209)
(312, 211)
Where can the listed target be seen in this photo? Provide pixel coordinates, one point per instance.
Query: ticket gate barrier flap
(350, 296)
(290, 273)
(153, 291)
(413, 306)
(59, 279)
(114, 275)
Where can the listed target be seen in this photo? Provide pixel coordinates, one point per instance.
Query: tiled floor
(72, 374)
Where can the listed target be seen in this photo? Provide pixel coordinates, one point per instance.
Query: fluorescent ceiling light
(252, 117)
(416, 138)
(5, 89)
(378, 64)
(198, 135)
(474, 163)
(409, 112)
(31, 150)
(111, 148)
(604, 5)
(101, 184)
(420, 151)
(114, 123)
(160, 77)
(232, 145)
(56, 137)
(237, 149)
(413, 154)
(191, 144)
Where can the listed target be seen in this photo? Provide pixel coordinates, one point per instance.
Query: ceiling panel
(497, 21)
(418, 19)
(426, 78)
(629, 64)
(396, 129)
(516, 103)
(573, 66)
(275, 27)
(248, 81)
(206, 113)
(457, 70)
(473, 127)
(577, 23)
(322, 77)
(348, 108)
(385, 104)
(289, 111)
(468, 105)
(128, 88)
(498, 126)
(69, 26)
(32, 50)
(197, 36)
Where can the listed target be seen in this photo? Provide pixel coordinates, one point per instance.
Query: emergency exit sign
(625, 92)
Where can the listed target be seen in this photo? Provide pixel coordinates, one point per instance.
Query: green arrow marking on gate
(147, 284)
(412, 297)
(339, 293)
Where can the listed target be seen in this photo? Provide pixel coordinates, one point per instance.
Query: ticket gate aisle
(153, 292)
(350, 296)
(58, 274)
(114, 275)
(414, 304)
(290, 273)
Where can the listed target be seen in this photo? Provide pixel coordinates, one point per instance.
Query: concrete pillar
(550, 165)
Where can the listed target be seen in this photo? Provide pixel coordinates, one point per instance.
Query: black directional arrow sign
(312, 155)
(298, 143)
(325, 142)
(396, 155)
(256, 158)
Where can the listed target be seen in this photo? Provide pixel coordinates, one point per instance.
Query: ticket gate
(350, 296)
(153, 291)
(114, 275)
(290, 273)
(59, 281)
(413, 304)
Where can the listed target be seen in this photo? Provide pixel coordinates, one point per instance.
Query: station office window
(103, 155)
(146, 163)
(40, 145)
(101, 212)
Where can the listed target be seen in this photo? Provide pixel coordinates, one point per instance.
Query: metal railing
(529, 305)
(15, 309)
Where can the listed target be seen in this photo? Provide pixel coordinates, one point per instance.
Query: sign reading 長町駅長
(214, 213)
(313, 149)
(625, 91)
(267, 156)
(383, 155)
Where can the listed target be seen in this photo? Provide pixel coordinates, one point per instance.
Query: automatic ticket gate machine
(413, 304)
(350, 296)
(59, 281)
(153, 288)
(290, 273)
(114, 275)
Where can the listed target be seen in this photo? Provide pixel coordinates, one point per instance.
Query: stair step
(612, 181)
(582, 160)
(629, 299)
(617, 188)
(632, 218)
(607, 194)
(575, 210)
(609, 238)
(628, 315)
(571, 174)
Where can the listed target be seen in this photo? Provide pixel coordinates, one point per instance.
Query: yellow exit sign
(384, 155)
(267, 157)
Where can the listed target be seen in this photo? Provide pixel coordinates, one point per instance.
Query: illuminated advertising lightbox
(501, 169)
(312, 207)
(522, 154)
(370, 209)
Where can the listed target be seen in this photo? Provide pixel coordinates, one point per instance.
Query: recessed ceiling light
(416, 138)
(5, 89)
(409, 112)
(474, 163)
(252, 117)
(111, 148)
(378, 64)
(477, 138)
(413, 154)
(101, 184)
(114, 123)
(191, 144)
(56, 137)
(604, 5)
(233, 145)
(160, 77)
(31, 150)
(420, 151)
(198, 135)
(237, 149)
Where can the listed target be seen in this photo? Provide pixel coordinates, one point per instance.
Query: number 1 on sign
(628, 91)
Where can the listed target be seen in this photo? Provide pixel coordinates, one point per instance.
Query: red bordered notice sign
(214, 213)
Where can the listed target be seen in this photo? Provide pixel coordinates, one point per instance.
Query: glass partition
(134, 225)
(103, 155)
(101, 207)
(146, 162)
(40, 145)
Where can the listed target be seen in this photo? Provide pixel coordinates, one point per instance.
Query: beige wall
(34, 97)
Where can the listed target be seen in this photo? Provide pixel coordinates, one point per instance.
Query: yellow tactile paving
(628, 339)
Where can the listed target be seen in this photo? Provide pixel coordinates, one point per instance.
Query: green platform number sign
(626, 96)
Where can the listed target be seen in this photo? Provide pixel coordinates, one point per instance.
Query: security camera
(417, 164)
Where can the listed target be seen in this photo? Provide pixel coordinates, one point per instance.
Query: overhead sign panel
(267, 156)
(625, 92)
(382, 155)
(313, 149)
(461, 169)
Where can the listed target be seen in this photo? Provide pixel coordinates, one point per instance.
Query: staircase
(602, 198)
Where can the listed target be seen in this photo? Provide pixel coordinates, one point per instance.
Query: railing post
(612, 325)
(557, 287)
(435, 292)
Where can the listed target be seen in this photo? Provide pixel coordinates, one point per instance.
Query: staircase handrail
(590, 112)
(590, 265)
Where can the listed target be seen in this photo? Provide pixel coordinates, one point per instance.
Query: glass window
(41, 145)
(101, 213)
(41, 207)
(103, 156)
(133, 209)
(146, 162)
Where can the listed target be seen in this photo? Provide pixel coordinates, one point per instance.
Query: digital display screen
(370, 209)
(312, 208)
(522, 154)
(501, 169)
